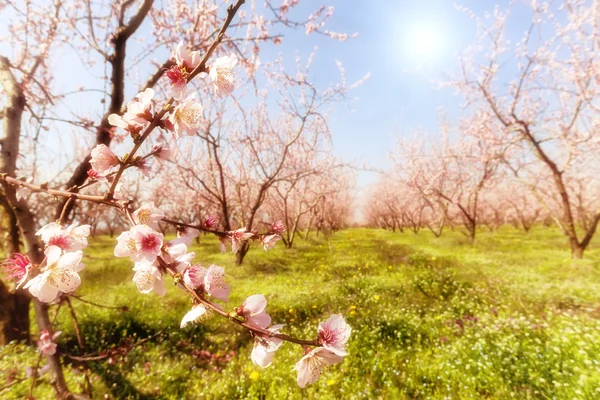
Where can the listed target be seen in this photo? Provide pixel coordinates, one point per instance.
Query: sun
(424, 41)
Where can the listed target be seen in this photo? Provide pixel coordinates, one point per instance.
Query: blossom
(144, 167)
(21, 192)
(46, 344)
(277, 228)
(187, 116)
(193, 276)
(221, 74)
(59, 274)
(70, 239)
(269, 241)
(95, 175)
(310, 366)
(209, 281)
(148, 278)
(253, 311)
(214, 285)
(211, 222)
(178, 74)
(238, 237)
(161, 151)
(188, 234)
(139, 112)
(178, 78)
(265, 347)
(18, 268)
(140, 243)
(223, 241)
(175, 253)
(186, 59)
(334, 334)
(103, 159)
(193, 315)
(148, 214)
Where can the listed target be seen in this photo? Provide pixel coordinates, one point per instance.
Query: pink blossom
(277, 228)
(253, 310)
(187, 117)
(46, 343)
(187, 235)
(161, 151)
(144, 167)
(95, 175)
(310, 366)
(238, 237)
(138, 114)
(148, 214)
(70, 239)
(177, 76)
(18, 268)
(193, 276)
(269, 241)
(58, 275)
(103, 159)
(197, 311)
(185, 58)
(148, 278)
(223, 242)
(334, 334)
(209, 281)
(22, 192)
(175, 253)
(221, 74)
(140, 243)
(211, 222)
(265, 347)
(214, 285)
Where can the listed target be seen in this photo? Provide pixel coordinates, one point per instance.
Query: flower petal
(194, 314)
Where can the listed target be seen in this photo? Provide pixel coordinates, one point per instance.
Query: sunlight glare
(424, 41)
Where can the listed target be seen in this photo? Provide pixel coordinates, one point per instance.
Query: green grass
(510, 317)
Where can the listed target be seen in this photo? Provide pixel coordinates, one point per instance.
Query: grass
(510, 317)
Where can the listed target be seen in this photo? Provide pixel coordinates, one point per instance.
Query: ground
(510, 317)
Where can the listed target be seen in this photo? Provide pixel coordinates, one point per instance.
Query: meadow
(433, 318)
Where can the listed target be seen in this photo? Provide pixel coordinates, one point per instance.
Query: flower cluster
(59, 272)
(240, 236)
(333, 335)
(46, 343)
(138, 113)
(146, 247)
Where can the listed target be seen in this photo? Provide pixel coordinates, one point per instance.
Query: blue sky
(404, 45)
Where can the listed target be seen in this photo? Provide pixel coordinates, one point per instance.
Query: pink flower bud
(17, 268)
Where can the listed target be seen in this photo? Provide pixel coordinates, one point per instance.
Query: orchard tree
(451, 174)
(204, 49)
(548, 108)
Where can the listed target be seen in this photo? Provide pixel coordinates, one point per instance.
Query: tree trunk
(14, 306)
(10, 141)
(577, 251)
(14, 315)
(241, 254)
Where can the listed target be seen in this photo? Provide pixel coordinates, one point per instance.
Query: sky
(405, 46)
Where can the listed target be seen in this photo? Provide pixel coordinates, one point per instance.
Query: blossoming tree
(548, 110)
(205, 60)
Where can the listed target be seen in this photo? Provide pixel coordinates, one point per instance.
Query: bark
(567, 220)
(14, 306)
(15, 104)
